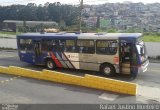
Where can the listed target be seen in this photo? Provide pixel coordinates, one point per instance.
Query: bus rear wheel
(108, 70)
(50, 64)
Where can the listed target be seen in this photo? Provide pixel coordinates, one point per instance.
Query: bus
(109, 53)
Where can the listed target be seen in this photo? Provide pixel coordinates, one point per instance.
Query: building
(29, 24)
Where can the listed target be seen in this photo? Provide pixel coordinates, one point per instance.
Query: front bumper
(144, 66)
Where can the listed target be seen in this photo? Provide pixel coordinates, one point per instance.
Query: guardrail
(90, 81)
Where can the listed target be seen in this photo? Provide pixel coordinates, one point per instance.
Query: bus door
(125, 57)
(37, 51)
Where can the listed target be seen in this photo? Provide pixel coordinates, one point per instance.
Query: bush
(158, 57)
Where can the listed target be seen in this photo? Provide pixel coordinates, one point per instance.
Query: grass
(4, 48)
(150, 38)
(9, 33)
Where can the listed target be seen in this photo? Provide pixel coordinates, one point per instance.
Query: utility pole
(80, 21)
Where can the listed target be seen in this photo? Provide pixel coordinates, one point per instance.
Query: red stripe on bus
(56, 60)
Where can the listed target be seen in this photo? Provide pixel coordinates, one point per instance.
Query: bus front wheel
(107, 70)
(50, 64)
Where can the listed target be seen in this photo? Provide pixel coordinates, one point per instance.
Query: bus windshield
(141, 48)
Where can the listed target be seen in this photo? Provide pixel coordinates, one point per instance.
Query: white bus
(109, 53)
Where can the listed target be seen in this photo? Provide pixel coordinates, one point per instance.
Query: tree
(54, 12)
(41, 13)
(28, 12)
(48, 12)
(62, 25)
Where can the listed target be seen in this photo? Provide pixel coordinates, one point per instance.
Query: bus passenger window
(26, 44)
(55, 46)
(107, 47)
(70, 46)
(81, 49)
(86, 46)
(49, 45)
(61, 46)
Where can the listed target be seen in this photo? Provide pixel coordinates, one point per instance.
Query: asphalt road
(14, 89)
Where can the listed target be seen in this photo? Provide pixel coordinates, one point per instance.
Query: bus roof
(81, 35)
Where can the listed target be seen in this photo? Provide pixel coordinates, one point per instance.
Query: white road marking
(1, 81)
(8, 80)
(149, 92)
(108, 96)
(11, 79)
(7, 56)
(154, 70)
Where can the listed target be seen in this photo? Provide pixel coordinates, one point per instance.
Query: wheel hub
(50, 64)
(107, 70)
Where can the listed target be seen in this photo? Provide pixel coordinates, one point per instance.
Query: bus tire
(107, 69)
(50, 64)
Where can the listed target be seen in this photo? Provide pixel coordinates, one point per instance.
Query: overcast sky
(9, 2)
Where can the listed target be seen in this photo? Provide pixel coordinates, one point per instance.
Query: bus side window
(85, 46)
(55, 45)
(106, 47)
(61, 46)
(70, 46)
(26, 44)
(49, 45)
(81, 49)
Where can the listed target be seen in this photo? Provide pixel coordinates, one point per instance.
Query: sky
(73, 2)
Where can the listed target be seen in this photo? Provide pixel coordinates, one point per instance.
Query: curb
(89, 81)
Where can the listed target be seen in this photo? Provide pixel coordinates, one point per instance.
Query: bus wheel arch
(50, 64)
(107, 69)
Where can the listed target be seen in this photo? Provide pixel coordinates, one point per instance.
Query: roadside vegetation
(10, 33)
(149, 37)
